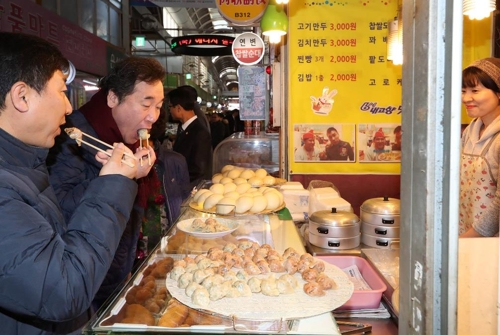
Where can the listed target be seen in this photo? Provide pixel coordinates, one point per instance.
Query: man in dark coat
(193, 140)
(218, 129)
(193, 95)
(50, 268)
(129, 99)
(235, 124)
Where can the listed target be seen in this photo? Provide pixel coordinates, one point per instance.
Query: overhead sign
(85, 50)
(248, 49)
(174, 3)
(202, 45)
(241, 12)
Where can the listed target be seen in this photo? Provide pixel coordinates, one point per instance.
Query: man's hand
(144, 169)
(114, 164)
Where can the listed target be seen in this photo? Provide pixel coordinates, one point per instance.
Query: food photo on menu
(379, 142)
(328, 142)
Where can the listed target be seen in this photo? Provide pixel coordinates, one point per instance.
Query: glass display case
(147, 304)
(248, 151)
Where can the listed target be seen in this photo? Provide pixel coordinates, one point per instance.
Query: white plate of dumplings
(209, 228)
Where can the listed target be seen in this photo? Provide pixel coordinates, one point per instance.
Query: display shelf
(248, 151)
(264, 229)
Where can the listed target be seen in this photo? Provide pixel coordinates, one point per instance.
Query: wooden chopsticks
(77, 135)
(146, 137)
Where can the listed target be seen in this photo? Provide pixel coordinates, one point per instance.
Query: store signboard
(202, 45)
(241, 12)
(85, 50)
(248, 48)
(174, 3)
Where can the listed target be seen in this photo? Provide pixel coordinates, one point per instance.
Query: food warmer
(380, 222)
(248, 151)
(264, 229)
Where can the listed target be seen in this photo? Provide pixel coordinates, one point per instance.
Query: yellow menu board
(345, 96)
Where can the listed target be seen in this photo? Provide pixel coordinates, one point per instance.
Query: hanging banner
(252, 92)
(345, 96)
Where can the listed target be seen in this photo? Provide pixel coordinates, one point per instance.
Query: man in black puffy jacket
(50, 268)
(129, 99)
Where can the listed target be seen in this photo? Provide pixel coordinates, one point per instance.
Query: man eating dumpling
(129, 99)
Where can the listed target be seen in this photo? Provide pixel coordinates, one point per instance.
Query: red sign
(85, 50)
(248, 49)
(202, 45)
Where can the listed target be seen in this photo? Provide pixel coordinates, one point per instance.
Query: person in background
(193, 94)
(230, 121)
(234, 122)
(308, 152)
(398, 134)
(193, 141)
(227, 132)
(479, 193)
(240, 124)
(50, 268)
(377, 151)
(217, 129)
(336, 149)
(129, 99)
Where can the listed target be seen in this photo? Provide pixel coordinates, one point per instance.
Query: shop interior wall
(357, 188)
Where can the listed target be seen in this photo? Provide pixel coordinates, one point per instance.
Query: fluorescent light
(90, 88)
(89, 82)
(478, 9)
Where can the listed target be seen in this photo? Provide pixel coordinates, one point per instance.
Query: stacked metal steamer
(332, 229)
(380, 220)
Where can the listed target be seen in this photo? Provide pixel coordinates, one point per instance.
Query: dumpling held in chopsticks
(75, 134)
(143, 134)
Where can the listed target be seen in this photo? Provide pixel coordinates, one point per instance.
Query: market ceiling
(201, 19)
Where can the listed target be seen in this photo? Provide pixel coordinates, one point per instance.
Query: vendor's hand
(114, 164)
(144, 169)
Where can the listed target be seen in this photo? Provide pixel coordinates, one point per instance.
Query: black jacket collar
(16, 153)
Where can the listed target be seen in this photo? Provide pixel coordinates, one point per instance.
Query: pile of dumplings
(210, 225)
(232, 272)
(241, 190)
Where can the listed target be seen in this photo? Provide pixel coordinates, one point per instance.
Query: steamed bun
(225, 206)
(268, 180)
(243, 204)
(247, 174)
(260, 173)
(226, 168)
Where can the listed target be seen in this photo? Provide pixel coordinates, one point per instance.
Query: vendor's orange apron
(477, 187)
